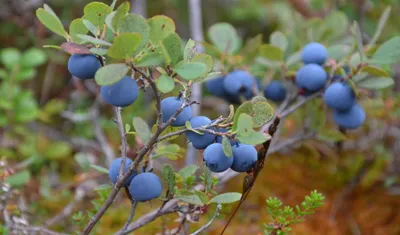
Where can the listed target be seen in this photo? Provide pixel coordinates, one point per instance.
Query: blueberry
(216, 87)
(83, 66)
(350, 119)
(145, 187)
(314, 53)
(311, 77)
(340, 96)
(200, 141)
(244, 157)
(215, 158)
(275, 91)
(122, 93)
(239, 83)
(168, 108)
(114, 171)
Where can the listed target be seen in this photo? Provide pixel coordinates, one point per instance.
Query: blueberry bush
(321, 74)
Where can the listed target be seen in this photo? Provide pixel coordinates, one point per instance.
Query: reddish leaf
(73, 48)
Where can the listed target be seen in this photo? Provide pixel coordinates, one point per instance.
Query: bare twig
(121, 129)
(131, 215)
(216, 214)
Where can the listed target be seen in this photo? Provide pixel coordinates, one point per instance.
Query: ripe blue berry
(216, 87)
(275, 91)
(311, 77)
(168, 108)
(314, 53)
(339, 96)
(200, 141)
(145, 187)
(114, 171)
(83, 66)
(215, 158)
(122, 93)
(244, 157)
(350, 119)
(239, 82)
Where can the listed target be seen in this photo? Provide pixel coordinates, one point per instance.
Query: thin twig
(216, 214)
(131, 215)
(121, 129)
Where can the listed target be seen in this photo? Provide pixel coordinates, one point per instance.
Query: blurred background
(50, 132)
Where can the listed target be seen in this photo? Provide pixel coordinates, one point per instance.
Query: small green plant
(284, 216)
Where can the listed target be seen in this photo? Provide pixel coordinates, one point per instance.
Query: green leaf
(251, 47)
(190, 50)
(33, 57)
(150, 59)
(262, 111)
(334, 19)
(388, 53)
(10, 57)
(119, 15)
(381, 24)
(57, 150)
(96, 13)
(188, 171)
(103, 187)
(90, 39)
(375, 71)
(245, 107)
(110, 74)
(112, 6)
(51, 22)
(171, 151)
(191, 199)
(278, 39)
(165, 83)
(19, 179)
(376, 83)
(271, 52)
(91, 27)
(124, 45)
(332, 135)
(293, 58)
(142, 129)
(205, 59)
(245, 132)
(25, 74)
(224, 37)
(82, 159)
(133, 23)
(160, 27)
(358, 38)
(203, 197)
(173, 46)
(99, 169)
(169, 177)
(226, 146)
(99, 51)
(127, 128)
(77, 27)
(190, 71)
(226, 198)
(252, 137)
(338, 52)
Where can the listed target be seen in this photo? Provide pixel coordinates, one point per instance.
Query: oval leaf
(165, 83)
(190, 71)
(226, 198)
(271, 52)
(111, 74)
(376, 83)
(226, 146)
(51, 22)
(142, 129)
(124, 45)
(224, 37)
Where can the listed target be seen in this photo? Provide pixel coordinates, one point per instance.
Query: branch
(216, 214)
(33, 230)
(132, 167)
(131, 215)
(121, 129)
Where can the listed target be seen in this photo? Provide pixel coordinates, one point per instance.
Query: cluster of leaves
(284, 216)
